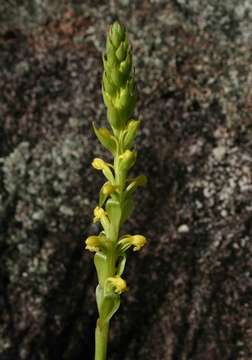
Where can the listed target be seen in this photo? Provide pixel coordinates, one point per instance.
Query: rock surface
(190, 289)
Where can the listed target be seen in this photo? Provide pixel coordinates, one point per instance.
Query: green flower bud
(117, 34)
(115, 118)
(108, 86)
(131, 133)
(121, 52)
(106, 139)
(124, 99)
(127, 160)
(125, 66)
(111, 52)
(117, 77)
(107, 98)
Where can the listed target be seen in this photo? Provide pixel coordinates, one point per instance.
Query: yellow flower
(99, 213)
(93, 243)
(99, 164)
(108, 188)
(137, 241)
(118, 284)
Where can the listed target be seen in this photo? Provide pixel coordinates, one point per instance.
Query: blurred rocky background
(191, 288)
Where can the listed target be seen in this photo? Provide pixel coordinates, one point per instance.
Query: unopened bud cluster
(118, 86)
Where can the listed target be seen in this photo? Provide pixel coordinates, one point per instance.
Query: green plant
(116, 195)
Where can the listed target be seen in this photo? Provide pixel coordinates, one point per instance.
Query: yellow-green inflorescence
(116, 195)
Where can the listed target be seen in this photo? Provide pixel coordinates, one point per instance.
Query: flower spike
(116, 194)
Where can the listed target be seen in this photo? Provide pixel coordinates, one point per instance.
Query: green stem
(101, 341)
